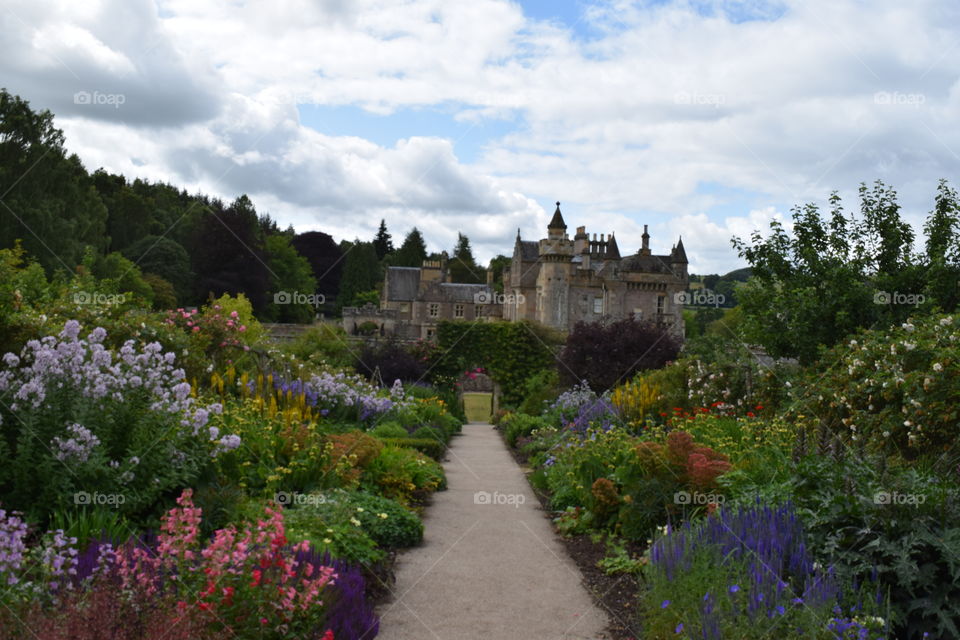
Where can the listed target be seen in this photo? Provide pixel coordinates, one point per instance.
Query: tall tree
(942, 257)
(361, 273)
(229, 255)
(326, 261)
(382, 243)
(48, 198)
(292, 284)
(163, 257)
(412, 252)
(463, 267)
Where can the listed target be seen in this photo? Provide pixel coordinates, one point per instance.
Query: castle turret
(557, 229)
(613, 251)
(678, 259)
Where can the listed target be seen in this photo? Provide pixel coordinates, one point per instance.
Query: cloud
(628, 116)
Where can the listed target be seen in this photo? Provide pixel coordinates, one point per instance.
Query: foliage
(100, 426)
(412, 252)
(403, 475)
(511, 352)
(361, 272)
(749, 573)
(895, 391)
(292, 284)
(898, 527)
(385, 521)
(463, 267)
(812, 288)
(538, 391)
(323, 344)
(393, 360)
(50, 204)
(520, 425)
(604, 353)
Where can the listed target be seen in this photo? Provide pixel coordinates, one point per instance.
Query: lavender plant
(748, 573)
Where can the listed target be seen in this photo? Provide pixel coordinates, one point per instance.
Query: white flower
(886, 434)
(937, 366)
(354, 522)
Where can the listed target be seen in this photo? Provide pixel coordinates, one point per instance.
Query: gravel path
(490, 565)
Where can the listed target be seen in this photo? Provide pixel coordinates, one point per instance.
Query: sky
(702, 119)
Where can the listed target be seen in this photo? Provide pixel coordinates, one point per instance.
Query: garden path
(490, 566)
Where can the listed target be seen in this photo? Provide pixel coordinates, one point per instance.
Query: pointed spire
(613, 251)
(679, 255)
(557, 221)
(645, 248)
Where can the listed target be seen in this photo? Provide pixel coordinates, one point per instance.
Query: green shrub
(518, 425)
(900, 525)
(431, 433)
(389, 430)
(538, 391)
(403, 474)
(426, 446)
(385, 522)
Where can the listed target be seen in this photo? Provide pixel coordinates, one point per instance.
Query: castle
(557, 282)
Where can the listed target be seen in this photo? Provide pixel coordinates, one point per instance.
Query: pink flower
(234, 314)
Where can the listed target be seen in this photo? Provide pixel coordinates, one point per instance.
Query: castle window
(404, 307)
(661, 303)
(458, 311)
(598, 305)
(433, 310)
(638, 313)
(431, 333)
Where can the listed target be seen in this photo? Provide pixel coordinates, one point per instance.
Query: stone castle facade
(556, 281)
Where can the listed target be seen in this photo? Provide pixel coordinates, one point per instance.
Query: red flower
(750, 414)
(758, 407)
(328, 635)
(256, 578)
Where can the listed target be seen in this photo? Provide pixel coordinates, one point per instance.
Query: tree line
(174, 248)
